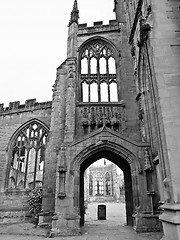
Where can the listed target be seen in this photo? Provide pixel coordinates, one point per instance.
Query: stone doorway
(124, 166)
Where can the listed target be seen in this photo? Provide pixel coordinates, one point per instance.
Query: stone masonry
(139, 131)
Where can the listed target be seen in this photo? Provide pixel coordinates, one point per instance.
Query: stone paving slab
(111, 229)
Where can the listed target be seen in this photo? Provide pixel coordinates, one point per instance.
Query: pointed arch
(111, 44)
(100, 54)
(122, 157)
(109, 147)
(26, 152)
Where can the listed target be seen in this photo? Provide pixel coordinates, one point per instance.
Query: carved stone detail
(147, 161)
(98, 116)
(144, 30)
(141, 118)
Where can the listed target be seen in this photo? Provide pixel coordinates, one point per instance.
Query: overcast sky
(33, 37)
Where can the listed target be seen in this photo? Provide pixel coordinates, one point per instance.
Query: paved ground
(111, 229)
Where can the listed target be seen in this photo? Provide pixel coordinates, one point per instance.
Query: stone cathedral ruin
(116, 96)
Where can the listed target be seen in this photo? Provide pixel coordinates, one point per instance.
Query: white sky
(33, 41)
(100, 162)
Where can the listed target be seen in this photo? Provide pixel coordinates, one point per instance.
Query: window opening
(113, 92)
(108, 184)
(85, 92)
(102, 65)
(94, 92)
(27, 158)
(112, 65)
(84, 66)
(93, 65)
(104, 92)
(98, 65)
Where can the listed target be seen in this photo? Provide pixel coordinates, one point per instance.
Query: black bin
(102, 212)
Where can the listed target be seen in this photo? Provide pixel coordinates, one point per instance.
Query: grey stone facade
(139, 132)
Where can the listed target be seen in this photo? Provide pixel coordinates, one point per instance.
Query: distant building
(103, 182)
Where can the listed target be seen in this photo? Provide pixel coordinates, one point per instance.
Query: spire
(74, 13)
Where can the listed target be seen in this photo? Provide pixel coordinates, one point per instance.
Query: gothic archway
(125, 167)
(123, 158)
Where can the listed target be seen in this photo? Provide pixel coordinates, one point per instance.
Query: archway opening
(102, 191)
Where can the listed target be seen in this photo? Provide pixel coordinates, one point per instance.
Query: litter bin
(102, 212)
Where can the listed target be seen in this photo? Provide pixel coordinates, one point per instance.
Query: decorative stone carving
(62, 173)
(141, 118)
(147, 161)
(71, 72)
(144, 30)
(98, 116)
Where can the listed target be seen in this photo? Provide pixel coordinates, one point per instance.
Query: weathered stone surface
(140, 132)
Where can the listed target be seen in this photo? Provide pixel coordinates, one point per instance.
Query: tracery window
(98, 73)
(99, 184)
(99, 187)
(27, 157)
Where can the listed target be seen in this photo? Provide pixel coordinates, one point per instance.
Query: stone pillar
(66, 217)
(55, 138)
(171, 221)
(70, 100)
(165, 44)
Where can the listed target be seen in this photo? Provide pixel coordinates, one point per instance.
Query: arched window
(113, 92)
(99, 184)
(94, 92)
(104, 92)
(85, 92)
(99, 59)
(108, 184)
(84, 66)
(27, 156)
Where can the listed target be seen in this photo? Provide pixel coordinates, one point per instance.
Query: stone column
(165, 44)
(55, 139)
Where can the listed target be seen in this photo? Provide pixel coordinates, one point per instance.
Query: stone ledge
(171, 206)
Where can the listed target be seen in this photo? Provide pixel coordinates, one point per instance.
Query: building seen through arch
(103, 182)
(116, 96)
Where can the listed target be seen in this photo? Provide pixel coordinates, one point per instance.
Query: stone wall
(13, 204)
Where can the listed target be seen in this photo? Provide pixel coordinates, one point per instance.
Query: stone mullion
(89, 90)
(26, 170)
(35, 166)
(108, 80)
(36, 158)
(89, 72)
(19, 152)
(98, 81)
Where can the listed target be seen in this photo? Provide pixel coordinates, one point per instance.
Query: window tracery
(98, 68)
(99, 184)
(27, 157)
